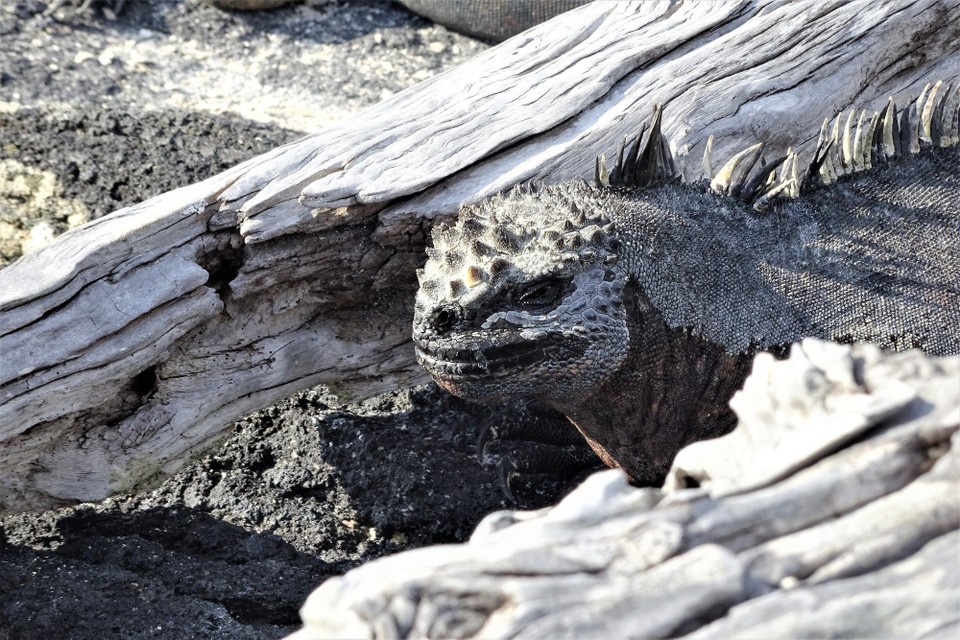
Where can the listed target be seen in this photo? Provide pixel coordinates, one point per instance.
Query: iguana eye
(541, 295)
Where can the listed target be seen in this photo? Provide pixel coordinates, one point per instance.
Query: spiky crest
(864, 141)
(649, 161)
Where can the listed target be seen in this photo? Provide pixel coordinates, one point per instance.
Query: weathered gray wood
(131, 342)
(918, 597)
(859, 542)
(730, 465)
(871, 536)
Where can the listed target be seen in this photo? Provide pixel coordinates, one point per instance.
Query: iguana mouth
(484, 362)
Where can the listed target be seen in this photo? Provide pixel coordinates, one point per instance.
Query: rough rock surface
(851, 529)
(232, 545)
(102, 105)
(64, 169)
(175, 91)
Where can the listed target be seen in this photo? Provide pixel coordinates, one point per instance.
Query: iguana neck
(673, 389)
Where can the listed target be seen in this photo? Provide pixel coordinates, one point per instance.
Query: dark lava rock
(110, 159)
(232, 545)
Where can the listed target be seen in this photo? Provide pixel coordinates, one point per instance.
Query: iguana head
(522, 297)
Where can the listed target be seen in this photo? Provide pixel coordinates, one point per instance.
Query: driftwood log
(847, 527)
(131, 342)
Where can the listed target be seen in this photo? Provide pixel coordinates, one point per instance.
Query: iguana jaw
(482, 373)
(481, 357)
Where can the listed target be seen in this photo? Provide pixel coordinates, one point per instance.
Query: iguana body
(636, 311)
(494, 20)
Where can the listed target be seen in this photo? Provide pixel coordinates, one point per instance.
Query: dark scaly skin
(641, 417)
(493, 20)
(250, 5)
(706, 284)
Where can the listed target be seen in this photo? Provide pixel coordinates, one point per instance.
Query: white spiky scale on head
(707, 158)
(483, 247)
(889, 114)
(736, 169)
(950, 118)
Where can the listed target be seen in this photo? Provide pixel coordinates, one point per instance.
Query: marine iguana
(635, 306)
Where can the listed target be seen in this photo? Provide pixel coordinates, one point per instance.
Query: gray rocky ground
(99, 113)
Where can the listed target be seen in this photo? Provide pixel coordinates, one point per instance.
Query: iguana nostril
(445, 318)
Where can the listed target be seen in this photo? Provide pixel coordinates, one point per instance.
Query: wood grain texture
(859, 541)
(130, 343)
